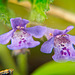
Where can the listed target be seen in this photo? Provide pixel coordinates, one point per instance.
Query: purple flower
(62, 44)
(20, 36)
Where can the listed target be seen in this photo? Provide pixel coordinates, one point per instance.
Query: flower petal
(5, 38)
(21, 39)
(58, 57)
(48, 46)
(33, 44)
(52, 32)
(68, 29)
(49, 33)
(57, 32)
(18, 22)
(73, 56)
(72, 38)
(36, 31)
(67, 55)
(15, 46)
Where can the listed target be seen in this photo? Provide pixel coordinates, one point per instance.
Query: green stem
(22, 63)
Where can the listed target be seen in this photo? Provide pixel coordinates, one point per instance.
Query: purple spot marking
(24, 32)
(68, 52)
(64, 48)
(65, 53)
(24, 41)
(21, 35)
(62, 45)
(20, 42)
(61, 52)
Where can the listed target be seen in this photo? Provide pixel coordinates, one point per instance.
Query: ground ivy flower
(20, 36)
(62, 44)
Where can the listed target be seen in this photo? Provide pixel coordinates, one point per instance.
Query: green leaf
(54, 68)
(5, 15)
(39, 9)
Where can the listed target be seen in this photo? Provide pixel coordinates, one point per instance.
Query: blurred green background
(26, 64)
